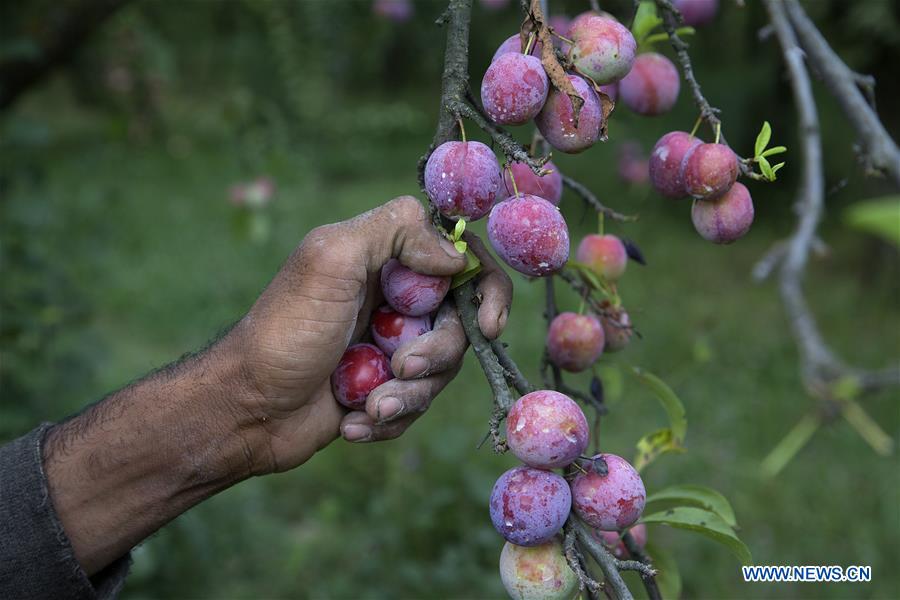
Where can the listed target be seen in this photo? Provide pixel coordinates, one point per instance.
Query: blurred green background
(121, 250)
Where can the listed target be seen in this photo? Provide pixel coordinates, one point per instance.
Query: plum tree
(514, 89)
(391, 329)
(726, 218)
(411, 293)
(463, 179)
(574, 342)
(665, 163)
(709, 170)
(605, 254)
(529, 506)
(603, 49)
(546, 429)
(362, 368)
(612, 501)
(549, 186)
(529, 234)
(537, 572)
(557, 122)
(651, 87)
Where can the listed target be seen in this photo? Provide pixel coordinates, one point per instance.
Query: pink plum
(574, 342)
(530, 234)
(632, 166)
(665, 163)
(549, 186)
(726, 218)
(412, 293)
(398, 11)
(529, 506)
(697, 12)
(537, 573)
(391, 329)
(617, 329)
(609, 502)
(709, 170)
(556, 121)
(603, 49)
(546, 429)
(513, 44)
(651, 88)
(362, 368)
(514, 89)
(463, 179)
(605, 254)
(613, 539)
(560, 24)
(611, 90)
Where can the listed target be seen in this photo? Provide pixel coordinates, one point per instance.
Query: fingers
(440, 349)
(495, 288)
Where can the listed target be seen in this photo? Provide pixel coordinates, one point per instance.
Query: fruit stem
(513, 179)
(696, 125)
(718, 131)
(462, 128)
(529, 44)
(600, 222)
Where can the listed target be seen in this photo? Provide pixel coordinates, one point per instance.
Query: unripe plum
(546, 429)
(603, 48)
(697, 12)
(556, 121)
(609, 502)
(513, 44)
(514, 89)
(651, 87)
(529, 506)
(530, 234)
(665, 163)
(391, 329)
(605, 254)
(613, 539)
(709, 170)
(726, 218)
(537, 573)
(549, 186)
(412, 293)
(574, 342)
(362, 368)
(617, 329)
(463, 179)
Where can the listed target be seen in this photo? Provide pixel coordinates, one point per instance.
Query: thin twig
(591, 199)
(511, 370)
(606, 560)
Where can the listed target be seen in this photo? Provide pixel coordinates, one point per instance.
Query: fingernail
(357, 433)
(448, 247)
(413, 366)
(388, 408)
(501, 320)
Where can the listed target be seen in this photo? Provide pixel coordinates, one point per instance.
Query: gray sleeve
(36, 558)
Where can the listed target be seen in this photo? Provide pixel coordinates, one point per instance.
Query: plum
(537, 573)
(609, 502)
(398, 11)
(574, 342)
(709, 170)
(604, 254)
(603, 49)
(530, 234)
(529, 506)
(514, 89)
(546, 429)
(513, 44)
(665, 163)
(391, 329)
(651, 87)
(463, 179)
(556, 121)
(617, 329)
(697, 12)
(613, 539)
(362, 368)
(611, 90)
(724, 219)
(549, 186)
(411, 293)
(632, 166)
(560, 24)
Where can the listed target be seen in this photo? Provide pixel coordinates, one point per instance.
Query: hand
(320, 303)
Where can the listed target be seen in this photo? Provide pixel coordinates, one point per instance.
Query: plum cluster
(530, 503)
(411, 300)
(682, 165)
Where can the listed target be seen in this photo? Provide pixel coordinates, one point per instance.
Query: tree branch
(591, 199)
(603, 557)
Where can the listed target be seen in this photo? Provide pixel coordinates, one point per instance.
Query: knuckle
(318, 241)
(407, 209)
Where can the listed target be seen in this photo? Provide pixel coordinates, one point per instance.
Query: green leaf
(645, 20)
(766, 168)
(588, 273)
(473, 266)
(670, 401)
(776, 167)
(458, 230)
(878, 216)
(692, 495)
(668, 577)
(762, 140)
(773, 151)
(664, 37)
(705, 523)
(461, 246)
(653, 445)
(789, 446)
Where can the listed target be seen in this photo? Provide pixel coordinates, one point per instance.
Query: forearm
(139, 458)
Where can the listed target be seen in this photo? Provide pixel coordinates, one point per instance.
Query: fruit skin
(617, 329)
(605, 254)
(614, 542)
(556, 121)
(632, 166)
(514, 89)
(709, 170)
(398, 11)
(726, 218)
(529, 506)
(546, 429)
(665, 163)
(574, 342)
(463, 179)
(549, 186)
(513, 44)
(651, 88)
(362, 368)
(411, 293)
(697, 12)
(537, 573)
(603, 48)
(560, 24)
(611, 90)
(391, 329)
(530, 234)
(609, 502)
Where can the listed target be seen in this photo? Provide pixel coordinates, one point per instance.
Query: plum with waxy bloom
(549, 186)
(665, 163)
(613, 539)
(362, 368)
(513, 45)
(412, 293)
(529, 234)
(574, 342)
(556, 121)
(651, 88)
(726, 218)
(514, 89)
(537, 572)
(546, 429)
(391, 329)
(709, 170)
(603, 49)
(609, 502)
(529, 506)
(463, 179)
(604, 254)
